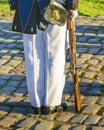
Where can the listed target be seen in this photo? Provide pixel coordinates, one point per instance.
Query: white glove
(74, 14)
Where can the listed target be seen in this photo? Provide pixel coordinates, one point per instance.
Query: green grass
(4, 9)
(90, 8)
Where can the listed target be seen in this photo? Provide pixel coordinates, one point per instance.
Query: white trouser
(45, 65)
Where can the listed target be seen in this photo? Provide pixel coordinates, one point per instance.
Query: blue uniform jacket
(27, 15)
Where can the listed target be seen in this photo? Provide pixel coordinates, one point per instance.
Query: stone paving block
(90, 100)
(5, 76)
(79, 127)
(17, 77)
(20, 46)
(5, 69)
(92, 120)
(2, 82)
(98, 57)
(21, 129)
(4, 110)
(9, 54)
(94, 50)
(97, 128)
(101, 122)
(25, 102)
(91, 109)
(14, 100)
(17, 112)
(82, 50)
(3, 61)
(50, 117)
(82, 66)
(95, 68)
(84, 90)
(100, 76)
(64, 117)
(11, 46)
(101, 52)
(1, 39)
(6, 56)
(27, 123)
(13, 63)
(89, 34)
(7, 90)
(101, 101)
(20, 56)
(90, 30)
(95, 92)
(86, 56)
(1, 54)
(100, 36)
(64, 127)
(81, 60)
(24, 84)
(2, 45)
(9, 41)
(44, 125)
(7, 122)
(15, 51)
(15, 37)
(13, 83)
(78, 119)
(69, 81)
(20, 69)
(93, 40)
(102, 62)
(3, 129)
(82, 39)
(2, 98)
(68, 89)
(92, 62)
(89, 75)
(4, 51)
(97, 83)
(85, 82)
(21, 92)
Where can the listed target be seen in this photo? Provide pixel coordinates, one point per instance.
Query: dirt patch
(7, 15)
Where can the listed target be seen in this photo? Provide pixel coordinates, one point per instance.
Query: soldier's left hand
(74, 14)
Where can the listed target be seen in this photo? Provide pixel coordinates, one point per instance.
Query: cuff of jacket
(71, 4)
(13, 4)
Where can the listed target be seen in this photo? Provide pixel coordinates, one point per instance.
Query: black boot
(61, 107)
(47, 110)
(37, 110)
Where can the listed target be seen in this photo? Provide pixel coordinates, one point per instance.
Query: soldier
(44, 54)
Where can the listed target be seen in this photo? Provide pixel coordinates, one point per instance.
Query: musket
(73, 61)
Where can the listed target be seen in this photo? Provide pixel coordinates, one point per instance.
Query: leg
(34, 59)
(54, 64)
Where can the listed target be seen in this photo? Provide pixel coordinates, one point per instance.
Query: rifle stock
(73, 61)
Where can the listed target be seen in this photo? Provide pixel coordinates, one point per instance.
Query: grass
(91, 8)
(4, 9)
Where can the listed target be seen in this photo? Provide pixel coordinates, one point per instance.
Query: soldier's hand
(74, 14)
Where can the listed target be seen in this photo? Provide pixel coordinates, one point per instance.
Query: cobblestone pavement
(15, 110)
